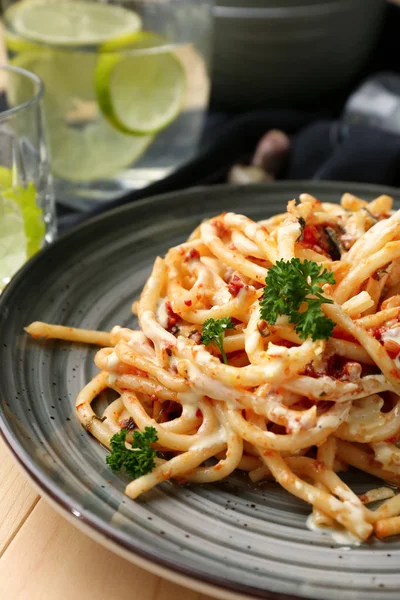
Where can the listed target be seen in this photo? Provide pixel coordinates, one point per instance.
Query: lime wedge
(32, 215)
(96, 152)
(21, 225)
(140, 89)
(58, 70)
(70, 23)
(84, 145)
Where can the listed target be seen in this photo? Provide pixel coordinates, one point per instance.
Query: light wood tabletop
(43, 557)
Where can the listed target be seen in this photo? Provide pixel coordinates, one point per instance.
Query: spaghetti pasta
(264, 400)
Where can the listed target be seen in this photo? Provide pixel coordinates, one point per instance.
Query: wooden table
(43, 557)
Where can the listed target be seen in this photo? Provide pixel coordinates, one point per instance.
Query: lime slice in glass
(12, 240)
(32, 215)
(66, 74)
(21, 226)
(140, 83)
(96, 152)
(6, 178)
(70, 23)
(84, 145)
(15, 43)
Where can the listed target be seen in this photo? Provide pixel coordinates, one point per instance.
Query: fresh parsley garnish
(138, 460)
(214, 330)
(288, 285)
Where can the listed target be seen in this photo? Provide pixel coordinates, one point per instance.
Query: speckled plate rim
(88, 522)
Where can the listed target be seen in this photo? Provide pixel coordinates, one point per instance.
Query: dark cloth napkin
(331, 150)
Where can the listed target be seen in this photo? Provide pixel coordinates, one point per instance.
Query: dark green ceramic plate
(231, 540)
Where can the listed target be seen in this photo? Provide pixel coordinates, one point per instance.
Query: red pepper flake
(310, 235)
(378, 333)
(236, 284)
(188, 302)
(199, 413)
(192, 254)
(222, 230)
(173, 318)
(315, 238)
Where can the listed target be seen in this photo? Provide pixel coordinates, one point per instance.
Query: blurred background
(289, 53)
(241, 91)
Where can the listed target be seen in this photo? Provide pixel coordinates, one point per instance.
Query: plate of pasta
(209, 384)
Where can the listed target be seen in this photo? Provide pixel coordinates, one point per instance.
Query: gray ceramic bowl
(232, 540)
(288, 52)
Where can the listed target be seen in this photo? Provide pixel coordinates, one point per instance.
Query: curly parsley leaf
(288, 286)
(313, 322)
(213, 332)
(284, 291)
(318, 276)
(137, 460)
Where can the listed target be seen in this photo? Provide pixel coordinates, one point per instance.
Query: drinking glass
(27, 215)
(127, 87)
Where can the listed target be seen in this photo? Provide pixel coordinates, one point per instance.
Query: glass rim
(36, 96)
(275, 12)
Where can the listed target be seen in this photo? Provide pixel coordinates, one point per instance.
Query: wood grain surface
(43, 557)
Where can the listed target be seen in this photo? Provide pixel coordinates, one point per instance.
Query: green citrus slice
(21, 225)
(32, 215)
(70, 23)
(140, 89)
(96, 152)
(84, 145)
